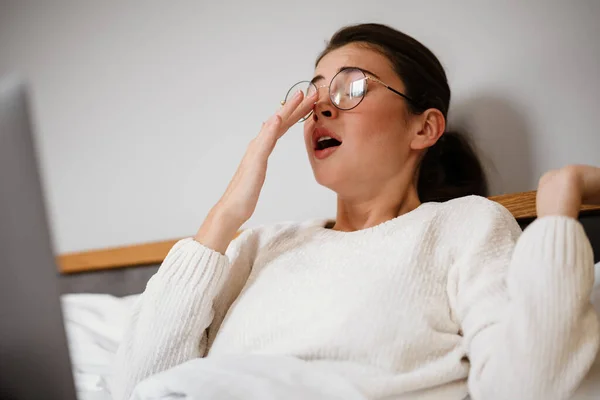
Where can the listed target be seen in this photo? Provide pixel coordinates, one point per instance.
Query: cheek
(383, 128)
(381, 144)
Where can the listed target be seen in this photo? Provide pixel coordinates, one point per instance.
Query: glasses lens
(348, 88)
(305, 87)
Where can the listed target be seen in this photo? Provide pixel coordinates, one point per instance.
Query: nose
(324, 107)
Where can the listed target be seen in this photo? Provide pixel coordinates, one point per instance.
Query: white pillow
(596, 289)
(596, 298)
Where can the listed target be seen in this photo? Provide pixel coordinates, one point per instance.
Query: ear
(431, 126)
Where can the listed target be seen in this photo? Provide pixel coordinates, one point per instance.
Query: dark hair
(450, 168)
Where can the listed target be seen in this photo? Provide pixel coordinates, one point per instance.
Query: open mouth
(326, 142)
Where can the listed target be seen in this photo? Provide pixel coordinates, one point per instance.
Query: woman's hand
(239, 201)
(563, 191)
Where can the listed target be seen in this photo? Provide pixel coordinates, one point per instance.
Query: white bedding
(247, 377)
(95, 324)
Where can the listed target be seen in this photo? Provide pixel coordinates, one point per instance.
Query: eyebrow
(366, 71)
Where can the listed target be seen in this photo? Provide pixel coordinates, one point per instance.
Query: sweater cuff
(556, 240)
(190, 264)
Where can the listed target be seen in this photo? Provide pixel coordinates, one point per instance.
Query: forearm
(526, 359)
(218, 230)
(547, 336)
(170, 317)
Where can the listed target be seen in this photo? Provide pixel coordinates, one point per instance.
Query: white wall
(144, 109)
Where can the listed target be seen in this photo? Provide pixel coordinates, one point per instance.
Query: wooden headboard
(521, 205)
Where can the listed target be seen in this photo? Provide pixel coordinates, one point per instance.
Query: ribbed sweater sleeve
(524, 307)
(169, 321)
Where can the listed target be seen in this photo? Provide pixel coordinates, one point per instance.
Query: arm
(170, 319)
(529, 329)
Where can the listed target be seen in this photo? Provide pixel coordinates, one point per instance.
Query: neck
(361, 212)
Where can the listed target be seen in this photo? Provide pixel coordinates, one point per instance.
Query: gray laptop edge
(34, 358)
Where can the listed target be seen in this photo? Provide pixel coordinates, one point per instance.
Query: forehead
(354, 55)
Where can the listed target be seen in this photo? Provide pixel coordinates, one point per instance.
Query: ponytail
(451, 169)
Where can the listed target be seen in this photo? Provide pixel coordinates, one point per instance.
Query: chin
(328, 178)
(330, 172)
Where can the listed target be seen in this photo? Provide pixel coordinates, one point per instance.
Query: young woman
(417, 290)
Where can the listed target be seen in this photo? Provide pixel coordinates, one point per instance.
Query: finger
(290, 105)
(301, 111)
(272, 119)
(270, 131)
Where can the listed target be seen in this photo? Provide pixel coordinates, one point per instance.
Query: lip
(319, 132)
(322, 154)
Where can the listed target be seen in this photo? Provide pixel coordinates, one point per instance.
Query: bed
(100, 286)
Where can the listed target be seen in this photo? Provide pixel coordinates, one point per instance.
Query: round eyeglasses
(346, 90)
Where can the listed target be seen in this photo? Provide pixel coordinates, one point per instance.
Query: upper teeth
(324, 138)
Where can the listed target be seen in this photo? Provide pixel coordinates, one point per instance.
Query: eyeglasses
(346, 90)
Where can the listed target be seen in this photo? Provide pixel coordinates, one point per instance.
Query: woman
(403, 295)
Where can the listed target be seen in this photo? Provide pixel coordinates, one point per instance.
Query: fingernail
(298, 94)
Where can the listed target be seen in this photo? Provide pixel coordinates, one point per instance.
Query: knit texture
(447, 300)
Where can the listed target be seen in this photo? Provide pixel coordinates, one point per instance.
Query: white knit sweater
(445, 300)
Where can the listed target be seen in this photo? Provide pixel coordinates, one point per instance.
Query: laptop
(34, 358)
